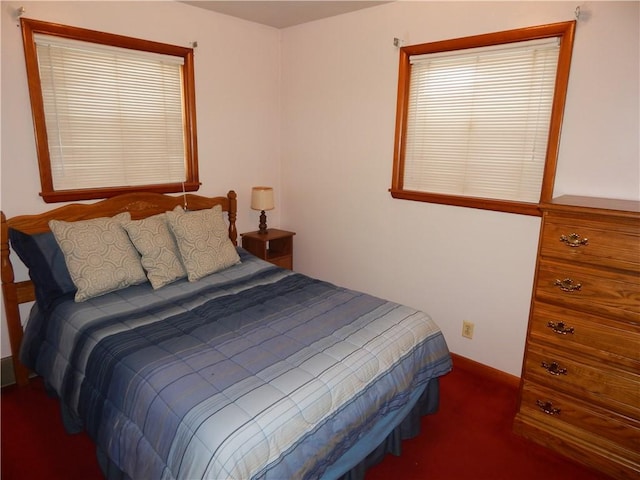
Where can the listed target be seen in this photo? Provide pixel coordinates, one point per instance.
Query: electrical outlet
(467, 329)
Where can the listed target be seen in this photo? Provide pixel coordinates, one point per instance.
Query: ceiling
(282, 14)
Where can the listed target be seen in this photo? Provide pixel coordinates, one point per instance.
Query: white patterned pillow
(203, 241)
(98, 254)
(155, 243)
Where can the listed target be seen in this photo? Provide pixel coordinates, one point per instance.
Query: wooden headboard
(140, 205)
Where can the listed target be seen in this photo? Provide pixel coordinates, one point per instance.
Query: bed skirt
(424, 403)
(409, 427)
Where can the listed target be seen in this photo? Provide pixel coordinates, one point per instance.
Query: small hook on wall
(19, 12)
(581, 13)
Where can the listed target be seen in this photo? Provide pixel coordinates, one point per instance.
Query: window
(478, 118)
(111, 114)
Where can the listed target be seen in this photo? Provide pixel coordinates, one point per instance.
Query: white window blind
(478, 120)
(114, 116)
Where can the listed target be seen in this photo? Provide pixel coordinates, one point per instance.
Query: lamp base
(262, 228)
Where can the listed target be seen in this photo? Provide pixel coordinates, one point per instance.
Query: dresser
(580, 385)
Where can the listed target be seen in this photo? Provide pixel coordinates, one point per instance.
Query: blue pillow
(45, 261)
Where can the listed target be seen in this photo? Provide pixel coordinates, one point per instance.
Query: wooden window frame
(48, 193)
(564, 30)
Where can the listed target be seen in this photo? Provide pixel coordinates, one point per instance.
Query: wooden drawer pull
(574, 240)
(560, 328)
(547, 407)
(567, 285)
(553, 368)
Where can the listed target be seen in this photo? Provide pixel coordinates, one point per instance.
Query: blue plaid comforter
(253, 372)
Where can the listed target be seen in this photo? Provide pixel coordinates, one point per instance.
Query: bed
(240, 370)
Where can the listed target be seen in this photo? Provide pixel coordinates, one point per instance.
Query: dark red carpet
(469, 438)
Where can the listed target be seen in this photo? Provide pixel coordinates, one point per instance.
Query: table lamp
(262, 199)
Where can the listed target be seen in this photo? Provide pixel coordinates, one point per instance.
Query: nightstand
(275, 246)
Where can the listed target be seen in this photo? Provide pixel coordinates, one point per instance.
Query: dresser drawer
(596, 242)
(607, 340)
(605, 292)
(587, 423)
(590, 380)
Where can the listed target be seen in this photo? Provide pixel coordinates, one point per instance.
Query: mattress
(251, 372)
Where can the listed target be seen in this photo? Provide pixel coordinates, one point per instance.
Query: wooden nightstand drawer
(275, 246)
(284, 262)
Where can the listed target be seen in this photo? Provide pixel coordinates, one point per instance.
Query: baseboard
(486, 371)
(7, 376)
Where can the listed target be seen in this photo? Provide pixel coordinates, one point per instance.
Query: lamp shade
(262, 198)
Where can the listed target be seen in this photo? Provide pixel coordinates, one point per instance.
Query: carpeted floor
(469, 438)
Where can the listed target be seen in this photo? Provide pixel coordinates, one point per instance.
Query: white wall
(339, 98)
(311, 110)
(237, 68)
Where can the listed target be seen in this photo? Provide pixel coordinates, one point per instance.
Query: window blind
(478, 120)
(114, 116)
